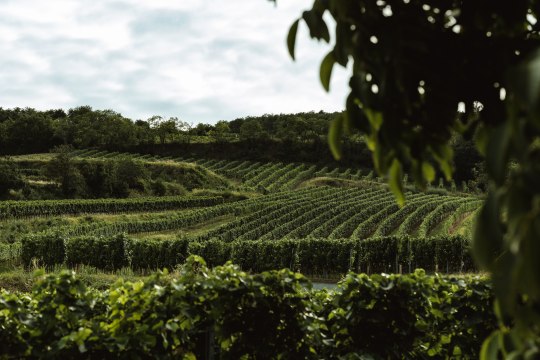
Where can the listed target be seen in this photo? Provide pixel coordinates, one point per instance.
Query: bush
(149, 254)
(227, 314)
(129, 172)
(410, 316)
(379, 254)
(214, 252)
(159, 188)
(175, 189)
(63, 169)
(10, 177)
(100, 252)
(48, 249)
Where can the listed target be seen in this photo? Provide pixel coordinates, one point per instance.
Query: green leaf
(225, 343)
(497, 153)
(487, 240)
(394, 181)
(334, 136)
(326, 70)
(291, 38)
(524, 81)
(317, 27)
(444, 154)
(428, 171)
(490, 347)
(378, 155)
(355, 114)
(530, 267)
(375, 118)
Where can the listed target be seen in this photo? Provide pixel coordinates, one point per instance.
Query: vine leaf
(428, 172)
(291, 38)
(326, 70)
(490, 348)
(497, 150)
(334, 136)
(394, 181)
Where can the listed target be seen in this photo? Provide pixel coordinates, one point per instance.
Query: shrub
(149, 254)
(97, 251)
(225, 313)
(48, 249)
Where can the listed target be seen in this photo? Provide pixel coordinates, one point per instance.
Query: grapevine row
(387, 226)
(325, 228)
(439, 214)
(310, 256)
(21, 209)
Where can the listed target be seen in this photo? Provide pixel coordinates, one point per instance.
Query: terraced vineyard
(253, 175)
(292, 222)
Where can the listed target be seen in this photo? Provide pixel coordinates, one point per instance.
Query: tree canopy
(415, 63)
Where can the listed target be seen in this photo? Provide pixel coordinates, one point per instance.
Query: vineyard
(321, 221)
(394, 215)
(259, 176)
(291, 218)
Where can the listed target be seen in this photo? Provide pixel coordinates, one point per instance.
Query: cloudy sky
(199, 60)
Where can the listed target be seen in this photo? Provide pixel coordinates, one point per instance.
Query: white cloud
(200, 60)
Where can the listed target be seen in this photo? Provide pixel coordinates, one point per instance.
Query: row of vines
(22, 209)
(312, 212)
(267, 176)
(312, 256)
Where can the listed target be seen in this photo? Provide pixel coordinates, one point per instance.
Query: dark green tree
(10, 178)
(143, 132)
(201, 129)
(221, 131)
(167, 129)
(63, 169)
(131, 172)
(26, 131)
(252, 130)
(414, 63)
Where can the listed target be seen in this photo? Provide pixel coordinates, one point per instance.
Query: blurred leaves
(291, 38)
(326, 70)
(414, 63)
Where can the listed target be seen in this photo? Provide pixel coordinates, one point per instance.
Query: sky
(198, 60)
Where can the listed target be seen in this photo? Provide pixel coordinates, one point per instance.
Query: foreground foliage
(414, 63)
(227, 313)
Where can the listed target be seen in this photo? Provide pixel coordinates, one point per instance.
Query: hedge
(390, 254)
(47, 248)
(157, 254)
(224, 313)
(109, 253)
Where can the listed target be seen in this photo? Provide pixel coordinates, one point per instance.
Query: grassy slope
(189, 175)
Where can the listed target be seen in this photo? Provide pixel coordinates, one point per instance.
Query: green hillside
(280, 213)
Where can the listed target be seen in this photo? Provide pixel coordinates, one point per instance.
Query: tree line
(300, 137)
(29, 130)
